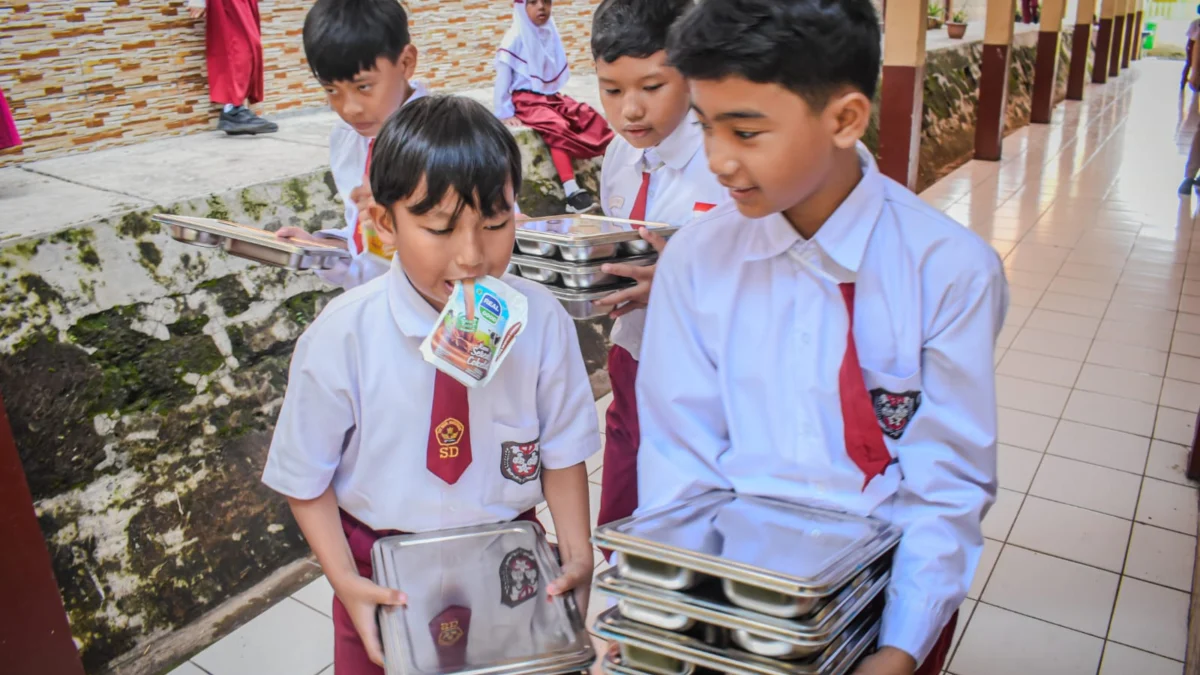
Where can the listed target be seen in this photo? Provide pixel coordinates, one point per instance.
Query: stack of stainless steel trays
(251, 243)
(565, 254)
(477, 603)
(744, 585)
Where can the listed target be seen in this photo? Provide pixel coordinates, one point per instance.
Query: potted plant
(936, 13)
(956, 27)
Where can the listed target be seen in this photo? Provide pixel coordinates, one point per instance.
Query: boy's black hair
(634, 28)
(345, 37)
(811, 47)
(454, 143)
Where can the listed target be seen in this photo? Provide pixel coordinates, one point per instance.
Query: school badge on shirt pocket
(519, 577)
(521, 462)
(894, 411)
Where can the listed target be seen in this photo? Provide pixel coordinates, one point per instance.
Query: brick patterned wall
(89, 74)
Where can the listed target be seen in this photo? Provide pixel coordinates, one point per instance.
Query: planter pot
(956, 31)
(932, 23)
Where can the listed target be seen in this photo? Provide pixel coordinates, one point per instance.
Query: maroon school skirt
(349, 654)
(564, 123)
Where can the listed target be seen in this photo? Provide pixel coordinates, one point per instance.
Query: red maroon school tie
(864, 438)
(639, 204)
(448, 453)
(449, 630)
(360, 241)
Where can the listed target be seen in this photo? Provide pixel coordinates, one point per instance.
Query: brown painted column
(1138, 18)
(1045, 69)
(903, 94)
(1081, 40)
(993, 79)
(1130, 21)
(34, 635)
(1118, 39)
(1104, 41)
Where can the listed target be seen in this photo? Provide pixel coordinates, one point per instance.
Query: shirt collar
(412, 314)
(845, 233)
(678, 148)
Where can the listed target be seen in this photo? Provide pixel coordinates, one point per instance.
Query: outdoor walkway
(1088, 561)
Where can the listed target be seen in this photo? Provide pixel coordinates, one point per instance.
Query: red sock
(562, 164)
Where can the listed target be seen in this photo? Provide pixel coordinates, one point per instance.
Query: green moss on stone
(82, 239)
(151, 256)
(231, 295)
(32, 283)
(137, 225)
(302, 308)
(251, 206)
(295, 195)
(217, 208)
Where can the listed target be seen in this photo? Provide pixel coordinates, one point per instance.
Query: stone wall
(98, 73)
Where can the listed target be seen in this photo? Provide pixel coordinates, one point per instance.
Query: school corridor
(1090, 547)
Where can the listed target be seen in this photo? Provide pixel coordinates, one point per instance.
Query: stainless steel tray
(653, 663)
(573, 275)
(735, 537)
(251, 243)
(648, 614)
(497, 575)
(837, 659)
(581, 303)
(582, 238)
(764, 635)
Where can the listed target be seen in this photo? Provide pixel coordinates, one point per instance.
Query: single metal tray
(836, 659)
(586, 275)
(735, 537)
(252, 243)
(754, 632)
(653, 663)
(581, 304)
(582, 238)
(648, 614)
(656, 573)
(485, 586)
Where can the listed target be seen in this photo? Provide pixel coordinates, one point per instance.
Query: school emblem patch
(894, 411)
(450, 633)
(521, 462)
(519, 577)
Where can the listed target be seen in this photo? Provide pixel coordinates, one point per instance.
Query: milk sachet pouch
(476, 330)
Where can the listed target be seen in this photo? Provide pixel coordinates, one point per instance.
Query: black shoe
(240, 122)
(581, 202)
(1187, 185)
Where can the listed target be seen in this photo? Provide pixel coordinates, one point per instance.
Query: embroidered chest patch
(521, 462)
(519, 577)
(894, 411)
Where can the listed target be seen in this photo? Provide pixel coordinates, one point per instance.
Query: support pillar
(1104, 41)
(1130, 22)
(1138, 19)
(903, 92)
(993, 79)
(1118, 39)
(1081, 39)
(1045, 68)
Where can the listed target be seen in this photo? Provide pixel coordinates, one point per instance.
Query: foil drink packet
(476, 330)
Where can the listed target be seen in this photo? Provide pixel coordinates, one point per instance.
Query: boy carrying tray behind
(654, 170)
(829, 338)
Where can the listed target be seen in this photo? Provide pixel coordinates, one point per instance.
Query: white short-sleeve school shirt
(681, 187)
(738, 388)
(348, 151)
(357, 412)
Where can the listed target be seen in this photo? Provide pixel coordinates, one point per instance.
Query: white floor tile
(964, 617)
(602, 404)
(1089, 272)
(1039, 368)
(987, 560)
(1128, 357)
(287, 639)
(1122, 660)
(1134, 333)
(1050, 344)
(1162, 557)
(317, 595)
(1008, 333)
(1188, 323)
(1088, 486)
(1016, 466)
(1087, 443)
(999, 519)
(1073, 304)
(1175, 426)
(1187, 344)
(999, 642)
(1168, 462)
(1147, 316)
(1111, 412)
(1027, 297)
(1168, 505)
(1030, 396)
(1037, 281)
(1017, 315)
(1180, 395)
(1051, 589)
(1120, 383)
(1185, 368)
(1152, 618)
(1025, 430)
(1097, 290)
(1062, 322)
(1071, 532)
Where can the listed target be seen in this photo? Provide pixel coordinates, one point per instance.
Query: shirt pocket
(896, 399)
(517, 481)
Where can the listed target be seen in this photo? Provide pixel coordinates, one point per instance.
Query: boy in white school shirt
(828, 339)
(358, 447)
(654, 170)
(361, 53)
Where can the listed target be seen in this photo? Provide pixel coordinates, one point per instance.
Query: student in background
(531, 69)
(1193, 33)
(233, 48)
(829, 338)
(654, 170)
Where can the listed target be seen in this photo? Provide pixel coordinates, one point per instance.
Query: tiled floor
(1087, 566)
